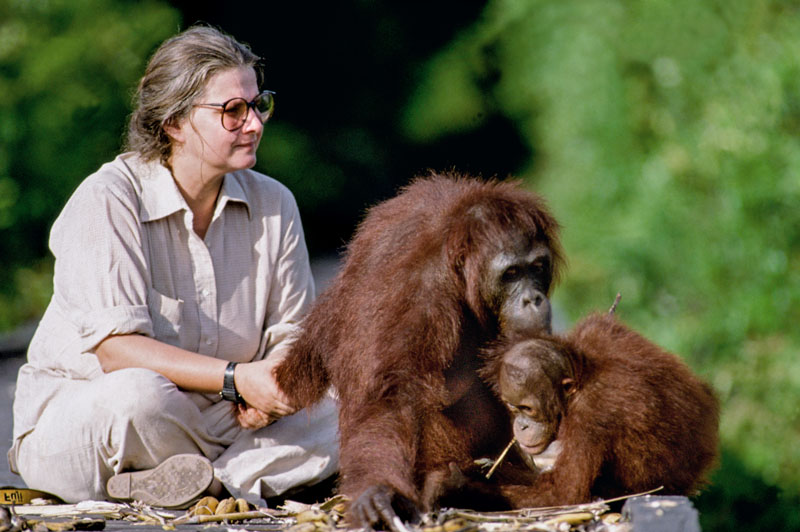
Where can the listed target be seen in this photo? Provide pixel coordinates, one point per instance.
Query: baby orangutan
(629, 416)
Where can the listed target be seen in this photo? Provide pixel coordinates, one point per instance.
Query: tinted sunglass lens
(265, 104)
(234, 114)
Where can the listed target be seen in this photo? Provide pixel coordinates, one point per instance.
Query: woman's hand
(266, 402)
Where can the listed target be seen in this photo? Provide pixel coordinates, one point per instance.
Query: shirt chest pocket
(167, 316)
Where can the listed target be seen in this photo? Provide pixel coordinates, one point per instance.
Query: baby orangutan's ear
(569, 386)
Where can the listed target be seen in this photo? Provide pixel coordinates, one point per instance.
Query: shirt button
(205, 292)
(209, 341)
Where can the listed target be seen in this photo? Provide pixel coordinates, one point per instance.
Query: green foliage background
(664, 134)
(68, 69)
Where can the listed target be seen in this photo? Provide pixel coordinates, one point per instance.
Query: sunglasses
(235, 111)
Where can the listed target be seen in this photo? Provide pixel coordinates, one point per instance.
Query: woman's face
(200, 139)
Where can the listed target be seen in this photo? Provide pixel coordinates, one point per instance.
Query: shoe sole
(176, 482)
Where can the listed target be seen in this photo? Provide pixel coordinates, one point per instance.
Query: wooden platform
(647, 513)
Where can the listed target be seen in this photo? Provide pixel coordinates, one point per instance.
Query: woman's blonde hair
(175, 76)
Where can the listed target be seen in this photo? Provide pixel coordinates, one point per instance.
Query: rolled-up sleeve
(100, 282)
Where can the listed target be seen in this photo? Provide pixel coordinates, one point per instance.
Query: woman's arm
(194, 372)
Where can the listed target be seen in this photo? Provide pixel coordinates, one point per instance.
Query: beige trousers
(134, 419)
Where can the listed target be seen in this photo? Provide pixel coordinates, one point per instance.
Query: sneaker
(175, 483)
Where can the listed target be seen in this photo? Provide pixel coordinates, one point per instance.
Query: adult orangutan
(629, 417)
(431, 276)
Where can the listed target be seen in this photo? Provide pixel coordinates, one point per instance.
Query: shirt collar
(160, 195)
(232, 191)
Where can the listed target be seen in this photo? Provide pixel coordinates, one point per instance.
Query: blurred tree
(67, 73)
(666, 142)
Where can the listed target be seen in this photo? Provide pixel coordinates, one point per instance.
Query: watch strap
(229, 391)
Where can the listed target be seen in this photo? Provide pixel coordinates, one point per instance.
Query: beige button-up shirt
(128, 261)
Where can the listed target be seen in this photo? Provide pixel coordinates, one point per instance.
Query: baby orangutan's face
(534, 380)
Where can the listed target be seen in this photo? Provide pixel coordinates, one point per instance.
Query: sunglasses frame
(264, 116)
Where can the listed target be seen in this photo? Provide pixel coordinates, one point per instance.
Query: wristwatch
(229, 392)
